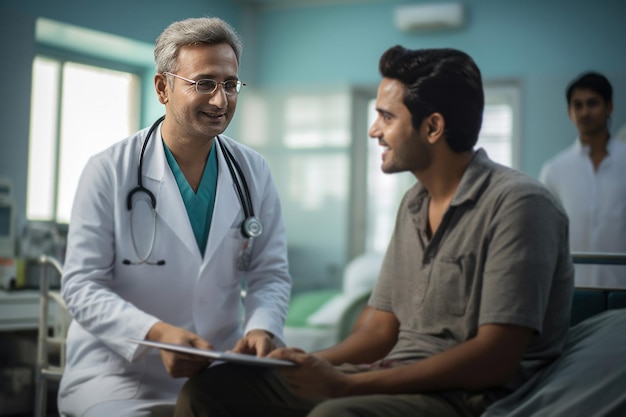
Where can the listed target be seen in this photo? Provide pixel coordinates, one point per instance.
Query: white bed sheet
(587, 380)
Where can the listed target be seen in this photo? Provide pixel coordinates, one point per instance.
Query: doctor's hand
(312, 377)
(255, 342)
(179, 365)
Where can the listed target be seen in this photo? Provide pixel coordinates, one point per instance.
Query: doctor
(162, 239)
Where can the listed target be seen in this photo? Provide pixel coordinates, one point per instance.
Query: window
(499, 135)
(306, 140)
(77, 110)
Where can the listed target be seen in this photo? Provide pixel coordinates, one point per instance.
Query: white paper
(217, 355)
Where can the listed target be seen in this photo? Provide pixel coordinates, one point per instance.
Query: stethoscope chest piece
(252, 227)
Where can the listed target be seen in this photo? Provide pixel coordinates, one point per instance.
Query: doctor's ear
(161, 87)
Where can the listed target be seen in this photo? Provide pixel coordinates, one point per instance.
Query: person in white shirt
(589, 178)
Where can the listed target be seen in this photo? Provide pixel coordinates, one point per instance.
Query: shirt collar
(584, 149)
(472, 183)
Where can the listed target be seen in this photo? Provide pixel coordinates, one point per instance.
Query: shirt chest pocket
(451, 284)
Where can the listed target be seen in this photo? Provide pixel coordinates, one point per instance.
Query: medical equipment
(251, 227)
(7, 219)
(8, 269)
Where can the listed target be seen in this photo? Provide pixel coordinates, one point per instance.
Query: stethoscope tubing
(250, 228)
(244, 196)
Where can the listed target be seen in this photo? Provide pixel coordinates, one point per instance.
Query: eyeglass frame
(239, 84)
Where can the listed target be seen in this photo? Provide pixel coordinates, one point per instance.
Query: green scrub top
(199, 204)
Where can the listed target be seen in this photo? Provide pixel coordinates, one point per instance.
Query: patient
(473, 297)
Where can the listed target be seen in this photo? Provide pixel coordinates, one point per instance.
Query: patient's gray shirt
(500, 255)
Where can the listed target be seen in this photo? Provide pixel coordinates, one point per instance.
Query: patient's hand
(256, 342)
(312, 377)
(179, 365)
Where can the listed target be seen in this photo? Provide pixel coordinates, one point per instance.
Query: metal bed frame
(599, 258)
(51, 334)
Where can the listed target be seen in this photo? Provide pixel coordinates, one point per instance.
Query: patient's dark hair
(445, 81)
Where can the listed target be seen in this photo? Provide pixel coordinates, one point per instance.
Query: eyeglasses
(208, 86)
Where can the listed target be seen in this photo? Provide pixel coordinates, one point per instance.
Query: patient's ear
(435, 126)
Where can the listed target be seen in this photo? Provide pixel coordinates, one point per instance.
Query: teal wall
(141, 20)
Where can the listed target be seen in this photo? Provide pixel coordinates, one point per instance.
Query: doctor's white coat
(111, 301)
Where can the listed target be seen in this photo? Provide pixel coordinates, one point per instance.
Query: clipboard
(233, 357)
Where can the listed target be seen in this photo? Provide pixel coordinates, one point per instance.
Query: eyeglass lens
(209, 86)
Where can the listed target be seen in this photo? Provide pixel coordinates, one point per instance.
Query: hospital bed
(589, 377)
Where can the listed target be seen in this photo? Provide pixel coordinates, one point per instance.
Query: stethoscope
(251, 227)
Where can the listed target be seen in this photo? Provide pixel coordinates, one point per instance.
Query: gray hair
(207, 30)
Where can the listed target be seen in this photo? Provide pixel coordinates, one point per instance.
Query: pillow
(330, 312)
(361, 274)
(359, 278)
(588, 379)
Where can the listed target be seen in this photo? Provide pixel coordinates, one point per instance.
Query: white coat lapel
(158, 178)
(226, 209)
